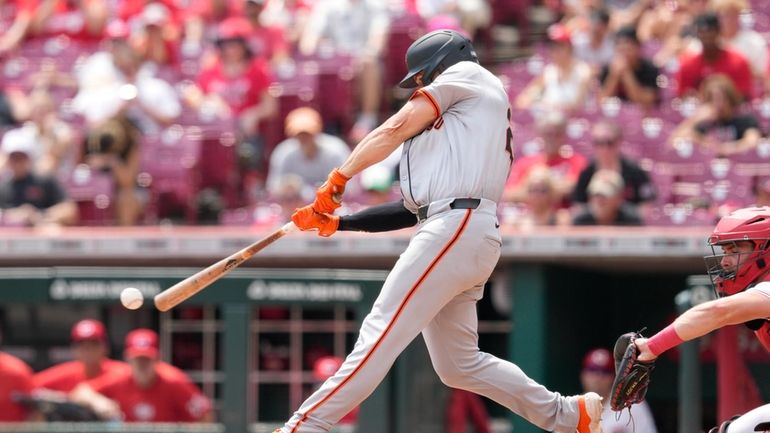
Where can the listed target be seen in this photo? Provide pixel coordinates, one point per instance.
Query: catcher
(739, 267)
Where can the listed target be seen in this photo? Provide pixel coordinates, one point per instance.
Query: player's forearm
(416, 115)
(374, 148)
(700, 320)
(380, 218)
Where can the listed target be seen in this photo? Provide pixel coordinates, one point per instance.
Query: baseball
(131, 298)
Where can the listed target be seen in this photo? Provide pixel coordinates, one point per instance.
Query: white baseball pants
(433, 289)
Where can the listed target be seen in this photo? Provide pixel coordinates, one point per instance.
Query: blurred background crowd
(143, 112)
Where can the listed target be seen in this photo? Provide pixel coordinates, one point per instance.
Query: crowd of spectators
(134, 112)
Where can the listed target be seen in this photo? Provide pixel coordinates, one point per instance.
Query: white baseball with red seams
(436, 282)
(131, 298)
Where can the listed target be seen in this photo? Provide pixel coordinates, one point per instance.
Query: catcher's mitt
(632, 377)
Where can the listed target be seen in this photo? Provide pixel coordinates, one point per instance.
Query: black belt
(458, 203)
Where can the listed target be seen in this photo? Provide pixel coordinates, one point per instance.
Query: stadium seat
(93, 192)
(169, 170)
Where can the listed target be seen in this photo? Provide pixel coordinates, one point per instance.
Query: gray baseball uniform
(435, 284)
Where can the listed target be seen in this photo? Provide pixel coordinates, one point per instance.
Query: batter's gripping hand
(308, 219)
(632, 377)
(329, 195)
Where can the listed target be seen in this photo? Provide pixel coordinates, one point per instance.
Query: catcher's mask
(739, 246)
(433, 53)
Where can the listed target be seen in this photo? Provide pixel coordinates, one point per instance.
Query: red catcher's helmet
(748, 224)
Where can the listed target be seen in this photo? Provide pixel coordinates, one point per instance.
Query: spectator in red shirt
(564, 165)
(150, 392)
(156, 42)
(90, 347)
(236, 84)
(82, 20)
(713, 59)
(15, 379)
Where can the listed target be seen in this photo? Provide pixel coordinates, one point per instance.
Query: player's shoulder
(461, 70)
(14, 365)
(171, 374)
(62, 369)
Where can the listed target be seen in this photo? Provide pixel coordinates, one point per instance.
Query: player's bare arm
(416, 115)
(709, 316)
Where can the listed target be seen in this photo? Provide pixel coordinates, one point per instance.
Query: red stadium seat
(169, 170)
(93, 192)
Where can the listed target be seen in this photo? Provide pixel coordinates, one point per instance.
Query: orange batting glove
(329, 195)
(308, 219)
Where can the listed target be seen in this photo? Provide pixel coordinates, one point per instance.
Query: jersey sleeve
(50, 378)
(762, 288)
(193, 405)
(454, 85)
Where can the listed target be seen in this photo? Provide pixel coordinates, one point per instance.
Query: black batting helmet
(433, 53)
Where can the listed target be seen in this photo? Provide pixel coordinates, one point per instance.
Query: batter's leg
(435, 267)
(452, 341)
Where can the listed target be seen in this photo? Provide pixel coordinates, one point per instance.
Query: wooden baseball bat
(188, 287)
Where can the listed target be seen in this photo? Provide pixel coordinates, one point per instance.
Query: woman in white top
(564, 82)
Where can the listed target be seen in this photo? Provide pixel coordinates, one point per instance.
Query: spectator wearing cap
(597, 375)
(542, 204)
(15, 381)
(714, 58)
(150, 392)
(606, 205)
(132, 11)
(607, 138)
(358, 28)
(562, 162)
(718, 124)
(89, 348)
(26, 198)
(564, 82)
(595, 45)
(307, 153)
(235, 85)
(630, 76)
(157, 42)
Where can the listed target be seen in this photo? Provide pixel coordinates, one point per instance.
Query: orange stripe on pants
(392, 322)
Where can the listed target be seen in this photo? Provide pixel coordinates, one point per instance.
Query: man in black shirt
(629, 76)
(27, 199)
(607, 139)
(606, 205)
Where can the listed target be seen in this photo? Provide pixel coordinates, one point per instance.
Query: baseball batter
(455, 161)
